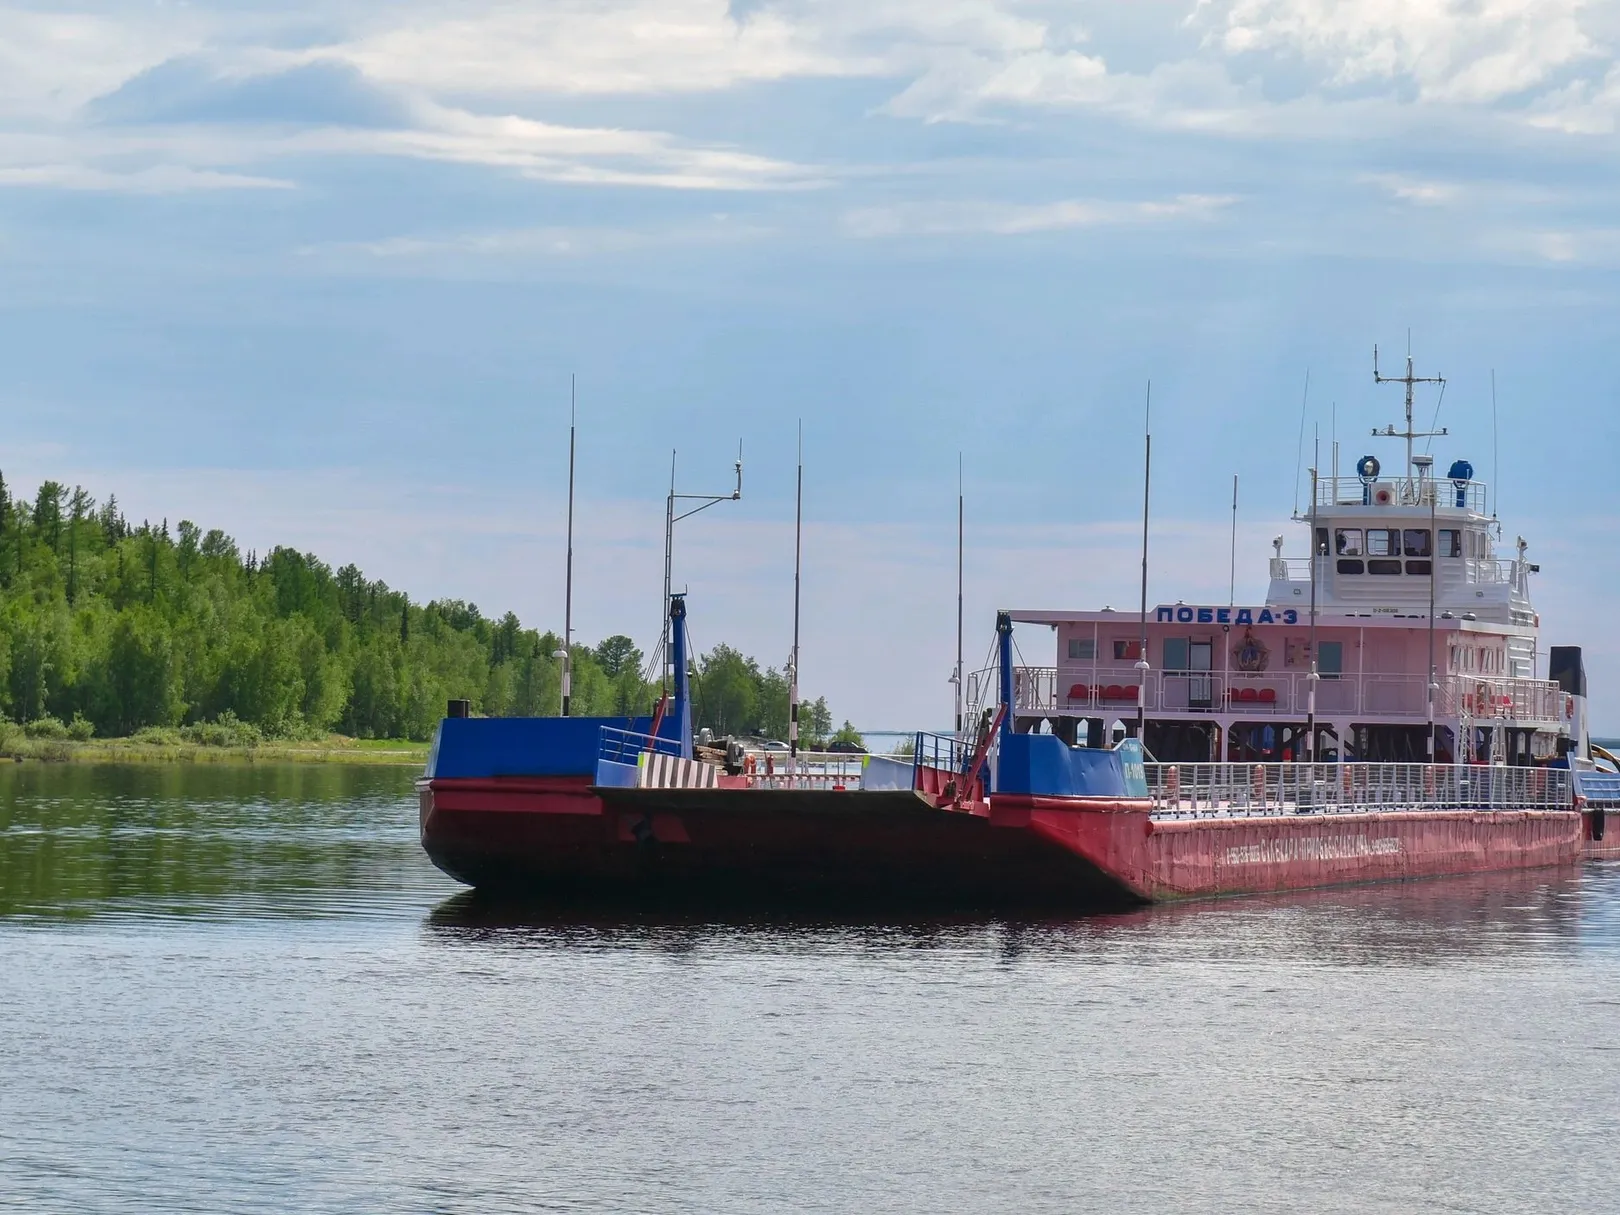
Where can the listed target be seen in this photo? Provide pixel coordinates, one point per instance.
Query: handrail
(1237, 789)
(1267, 694)
(1407, 491)
(626, 746)
(945, 752)
(810, 770)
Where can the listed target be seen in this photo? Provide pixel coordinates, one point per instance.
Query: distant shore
(333, 749)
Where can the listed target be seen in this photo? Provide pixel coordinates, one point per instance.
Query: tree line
(116, 628)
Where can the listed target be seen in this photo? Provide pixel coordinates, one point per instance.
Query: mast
(1434, 555)
(957, 679)
(1409, 379)
(1226, 632)
(568, 575)
(1314, 676)
(1142, 666)
(704, 501)
(669, 557)
(793, 675)
(1231, 588)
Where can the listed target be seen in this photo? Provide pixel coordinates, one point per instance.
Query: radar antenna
(1389, 432)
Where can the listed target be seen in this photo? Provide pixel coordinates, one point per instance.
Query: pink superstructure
(1406, 624)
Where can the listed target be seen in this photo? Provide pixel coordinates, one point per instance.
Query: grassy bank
(168, 747)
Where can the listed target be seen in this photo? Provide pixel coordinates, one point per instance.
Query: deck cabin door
(1200, 662)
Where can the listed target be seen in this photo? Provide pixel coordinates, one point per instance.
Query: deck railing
(810, 770)
(1205, 790)
(1407, 491)
(625, 746)
(1272, 694)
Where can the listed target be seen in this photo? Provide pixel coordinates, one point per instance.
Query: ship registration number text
(1309, 848)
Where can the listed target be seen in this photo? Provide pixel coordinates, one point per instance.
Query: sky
(320, 275)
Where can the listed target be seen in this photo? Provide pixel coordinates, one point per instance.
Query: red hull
(1604, 823)
(559, 835)
(1207, 856)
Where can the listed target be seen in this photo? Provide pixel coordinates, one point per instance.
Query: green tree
(131, 628)
(847, 736)
(140, 685)
(815, 724)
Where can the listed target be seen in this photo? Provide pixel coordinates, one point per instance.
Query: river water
(243, 989)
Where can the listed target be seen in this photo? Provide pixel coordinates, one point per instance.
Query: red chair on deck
(1268, 696)
(1248, 695)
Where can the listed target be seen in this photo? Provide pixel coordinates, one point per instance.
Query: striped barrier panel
(655, 770)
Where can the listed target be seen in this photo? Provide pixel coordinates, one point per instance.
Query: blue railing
(942, 751)
(624, 746)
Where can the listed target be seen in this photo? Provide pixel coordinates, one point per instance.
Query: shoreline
(334, 749)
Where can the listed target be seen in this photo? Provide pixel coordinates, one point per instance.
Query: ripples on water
(244, 989)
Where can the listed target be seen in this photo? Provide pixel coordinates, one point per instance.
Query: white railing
(1292, 569)
(1204, 790)
(627, 746)
(1270, 694)
(1475, 571)
(1409, 491)
(810, 770)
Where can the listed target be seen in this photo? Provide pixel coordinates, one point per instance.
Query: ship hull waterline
(563, 837)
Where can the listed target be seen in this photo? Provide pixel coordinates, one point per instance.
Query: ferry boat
(1384, 713)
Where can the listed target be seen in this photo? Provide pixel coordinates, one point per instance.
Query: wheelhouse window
(1383, 542)
(1349, 565)
(1415, 542)
(1083, 649)
(1450, 542)
(1348, 542)
(1127, 651)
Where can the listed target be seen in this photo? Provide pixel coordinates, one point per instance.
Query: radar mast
(1409, 379)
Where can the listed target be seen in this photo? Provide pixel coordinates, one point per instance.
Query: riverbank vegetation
(111, 630)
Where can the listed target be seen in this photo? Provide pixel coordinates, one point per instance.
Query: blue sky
(320, 273)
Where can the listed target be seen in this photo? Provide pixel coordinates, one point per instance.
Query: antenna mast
(957, 680)
(1142, 666)
(1389, 432)
(704, 501)
(793, 680)
(568, 576)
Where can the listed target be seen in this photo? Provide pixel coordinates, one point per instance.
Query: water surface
(244, 989)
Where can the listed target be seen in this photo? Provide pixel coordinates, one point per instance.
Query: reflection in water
(245, 988)
(231, 839)
(1413, 923)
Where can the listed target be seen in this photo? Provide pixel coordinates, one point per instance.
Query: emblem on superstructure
(1251, 654)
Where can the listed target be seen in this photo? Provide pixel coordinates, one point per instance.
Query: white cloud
(1568, 246)
(1017, 219)
(52, 63)
(157, 179)
(1452, 50)
(1415, 190)
(650, 46)
(507, 246)
(583, 155)
(1584, 107)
